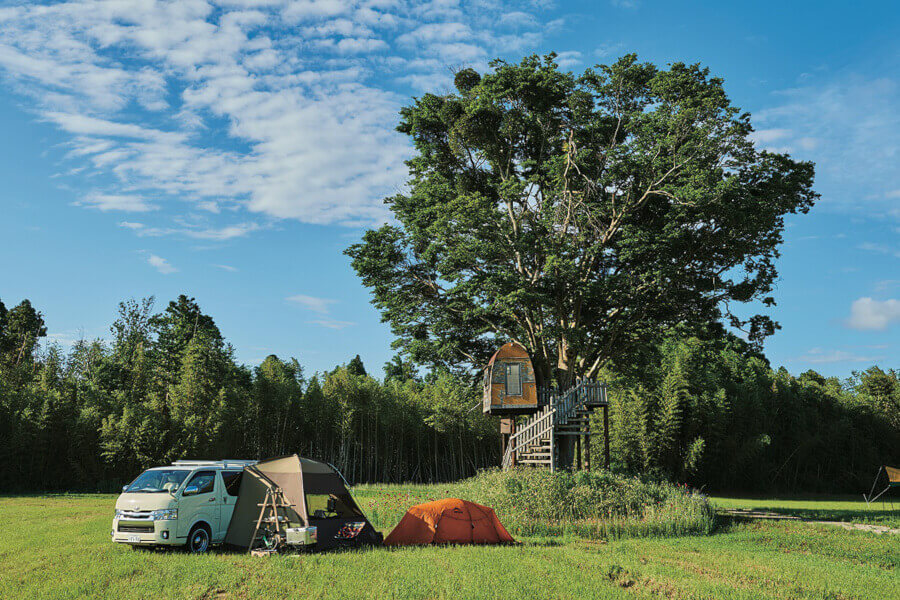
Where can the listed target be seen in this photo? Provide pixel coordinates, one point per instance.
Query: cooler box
(301, 536)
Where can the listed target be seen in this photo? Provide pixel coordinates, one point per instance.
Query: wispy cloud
(873, 315)
(228, 268)
(116, 202)
(313, 303)
(217, 234)
(161, 264)
(331, 323)
(849, 125)
(765, 137)
(819, 356)
(281, 107)
(608, 50)
(879, 248)
(568, 59)
(886, 284)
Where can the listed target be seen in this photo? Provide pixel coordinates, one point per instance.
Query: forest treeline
(166, 386)
(710, 410)
(706, 410)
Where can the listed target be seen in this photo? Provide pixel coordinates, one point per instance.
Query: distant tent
(318, 497)
(893, 481)
(449, 521)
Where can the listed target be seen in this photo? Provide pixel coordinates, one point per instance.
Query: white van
(188, 503)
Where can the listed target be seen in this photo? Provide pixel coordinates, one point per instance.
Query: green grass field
(850, 509)
(58, 547)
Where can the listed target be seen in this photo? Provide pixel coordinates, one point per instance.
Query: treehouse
(555, 427)
(509, 386)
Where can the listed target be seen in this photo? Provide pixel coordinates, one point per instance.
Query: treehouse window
(513, 380)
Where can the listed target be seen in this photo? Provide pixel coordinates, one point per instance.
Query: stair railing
(558, 411)
(534, 429)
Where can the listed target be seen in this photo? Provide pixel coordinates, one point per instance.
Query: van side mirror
(190, 490)
(124, 487)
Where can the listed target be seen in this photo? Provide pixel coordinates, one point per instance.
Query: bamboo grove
(701, 407)
(166, 386)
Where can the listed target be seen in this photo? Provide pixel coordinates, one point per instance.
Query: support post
(606, 435)
(578, 452)
(552, 450)
(587, 445)
(512, 432)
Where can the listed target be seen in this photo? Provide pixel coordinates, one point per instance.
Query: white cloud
(268, 106)
(818, 356)
(849, 126)
(161, 264)
(879, 248)
(217, 234)
(764, 137)
(886, 284)
(121, 202)
(873, 315)
(517, 19)
(222, 233)
(568, 59)
(319, 305)
(436, 32)
(607, 50)
(228, 268)
(331, 323)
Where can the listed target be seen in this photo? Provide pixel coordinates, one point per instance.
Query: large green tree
(578, 215)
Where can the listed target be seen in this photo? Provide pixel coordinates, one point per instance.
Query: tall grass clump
(595, 504)
(536, 502)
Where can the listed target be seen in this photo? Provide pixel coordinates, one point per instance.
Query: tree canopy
(580, 216)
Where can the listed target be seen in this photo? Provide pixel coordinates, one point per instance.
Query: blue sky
(231, 150)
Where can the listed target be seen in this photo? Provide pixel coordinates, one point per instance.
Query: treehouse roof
(509, 350)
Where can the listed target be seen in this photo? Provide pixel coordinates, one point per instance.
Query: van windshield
(157, 480)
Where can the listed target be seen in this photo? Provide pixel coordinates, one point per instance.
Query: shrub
(536, 502)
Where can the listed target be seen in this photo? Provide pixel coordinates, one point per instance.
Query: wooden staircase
(537, 441)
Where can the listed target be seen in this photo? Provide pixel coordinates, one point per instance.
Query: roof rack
(228, 462)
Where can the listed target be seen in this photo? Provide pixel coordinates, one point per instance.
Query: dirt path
(743, 513)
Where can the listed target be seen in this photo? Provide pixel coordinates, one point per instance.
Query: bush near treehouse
(536, 502)
(589, 503)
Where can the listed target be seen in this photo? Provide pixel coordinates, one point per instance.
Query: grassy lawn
(58, 547)
(820, 508)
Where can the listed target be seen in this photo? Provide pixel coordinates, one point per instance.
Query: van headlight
(119, 513)
(168, 514)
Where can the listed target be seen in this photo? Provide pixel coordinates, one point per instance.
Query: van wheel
(198, 540)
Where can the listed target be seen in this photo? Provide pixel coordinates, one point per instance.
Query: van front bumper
(144, 532)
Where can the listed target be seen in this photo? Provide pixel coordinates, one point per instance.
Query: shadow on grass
(836, 514)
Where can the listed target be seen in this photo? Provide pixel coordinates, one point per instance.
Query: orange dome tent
(448, 521)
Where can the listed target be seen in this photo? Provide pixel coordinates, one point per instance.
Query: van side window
(205, 480)
(232, 480)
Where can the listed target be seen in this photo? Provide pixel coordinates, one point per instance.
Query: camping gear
(290, 492)
(893, 481)
(449, 521)
(301, 536)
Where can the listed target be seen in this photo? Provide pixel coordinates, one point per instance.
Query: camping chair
(893, 481)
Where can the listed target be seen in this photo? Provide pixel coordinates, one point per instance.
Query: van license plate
(134, 539)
